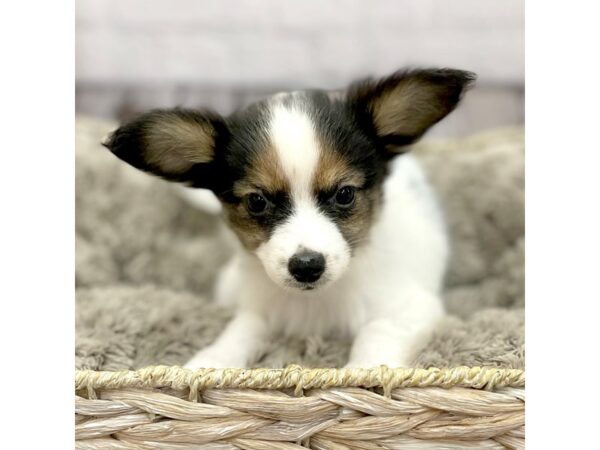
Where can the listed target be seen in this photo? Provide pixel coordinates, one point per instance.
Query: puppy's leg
(237, 346)
(228, 283)
(393, 339)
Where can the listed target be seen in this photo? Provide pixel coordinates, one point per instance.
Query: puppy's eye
(256, 204)
(345, 196)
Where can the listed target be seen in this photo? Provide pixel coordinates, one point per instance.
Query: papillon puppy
(339, 232)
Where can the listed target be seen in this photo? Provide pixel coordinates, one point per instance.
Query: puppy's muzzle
(307, 266)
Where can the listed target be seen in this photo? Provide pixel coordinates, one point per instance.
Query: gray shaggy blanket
(146, 261)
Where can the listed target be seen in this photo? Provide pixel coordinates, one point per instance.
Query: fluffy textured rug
(146, 262)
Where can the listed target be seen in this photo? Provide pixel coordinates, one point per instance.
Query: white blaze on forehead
(293, 135)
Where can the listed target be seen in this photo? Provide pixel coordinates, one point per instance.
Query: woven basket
(164, 407)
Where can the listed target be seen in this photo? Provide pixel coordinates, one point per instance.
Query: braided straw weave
(173, 408)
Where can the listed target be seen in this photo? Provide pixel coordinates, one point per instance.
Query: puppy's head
(299, 174)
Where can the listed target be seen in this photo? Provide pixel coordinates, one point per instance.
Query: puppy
(339, 231)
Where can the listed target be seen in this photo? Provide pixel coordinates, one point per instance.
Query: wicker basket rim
(299, 378)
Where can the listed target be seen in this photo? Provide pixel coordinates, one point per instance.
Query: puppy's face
(299, 175)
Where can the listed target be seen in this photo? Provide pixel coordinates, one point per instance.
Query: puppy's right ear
(175, 144)
(400, 108)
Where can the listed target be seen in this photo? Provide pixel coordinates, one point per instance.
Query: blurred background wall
(133, 55)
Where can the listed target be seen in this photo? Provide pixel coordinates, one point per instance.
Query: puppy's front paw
(211, 358)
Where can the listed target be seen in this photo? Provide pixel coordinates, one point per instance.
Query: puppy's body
(391, 287)
(336, 236)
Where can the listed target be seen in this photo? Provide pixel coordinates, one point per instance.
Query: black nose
(307, 266)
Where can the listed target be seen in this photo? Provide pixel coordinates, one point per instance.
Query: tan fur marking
(175, 144)
(409, 109)
(356, 227)
(333, 170)
(250, 233)
(265, 173)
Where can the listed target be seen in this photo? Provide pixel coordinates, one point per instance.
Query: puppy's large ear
(402, 107)
(175, 144)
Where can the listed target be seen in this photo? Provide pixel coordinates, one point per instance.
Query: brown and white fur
(338, 229)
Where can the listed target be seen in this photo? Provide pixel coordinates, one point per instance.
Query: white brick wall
(215, 48)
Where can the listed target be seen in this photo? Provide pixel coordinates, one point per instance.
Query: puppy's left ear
(399, 109)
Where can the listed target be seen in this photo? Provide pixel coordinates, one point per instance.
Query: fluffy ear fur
(176, 144)
(403, 106)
